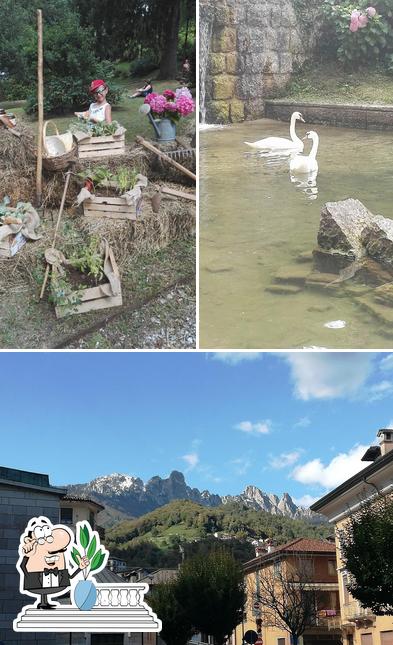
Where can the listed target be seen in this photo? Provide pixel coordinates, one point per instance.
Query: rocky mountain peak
(129, 495)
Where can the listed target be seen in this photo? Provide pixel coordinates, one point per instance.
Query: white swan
(307, 163)
(279, 143)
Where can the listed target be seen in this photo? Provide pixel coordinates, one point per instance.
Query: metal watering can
(165, 129)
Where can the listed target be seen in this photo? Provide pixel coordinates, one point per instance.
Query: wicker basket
(61, 145)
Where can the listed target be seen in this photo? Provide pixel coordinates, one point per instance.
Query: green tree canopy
(367, 549)
(176, 626)
(210, 589)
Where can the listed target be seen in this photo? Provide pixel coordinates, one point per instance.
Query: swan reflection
(307, 183)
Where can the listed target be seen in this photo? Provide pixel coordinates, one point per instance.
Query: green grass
(328, 83)
(126, 112)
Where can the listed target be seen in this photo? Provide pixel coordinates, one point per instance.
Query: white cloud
(192, 459)
(241, 465)
(305, 500)
(261, 427)
(380, 390)
(285, 459)
(340, 468)
(328, 375)
(234, 358)
(304, 422)
(386, 363)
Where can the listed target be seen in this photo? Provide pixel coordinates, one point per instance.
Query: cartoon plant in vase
(85, 592)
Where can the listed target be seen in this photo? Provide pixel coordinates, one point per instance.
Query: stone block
(223, 87)
(285, 63)
(224, 40)
(217, 64)
(224, 16)
(218, 112)
(259, 15)
(231, 64)
(236, 110)
(254, 108)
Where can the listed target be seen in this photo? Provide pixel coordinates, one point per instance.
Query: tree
(286, 599)
(211, 591)
(176, 626)
(366, 544)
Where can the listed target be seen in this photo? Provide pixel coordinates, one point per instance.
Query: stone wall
(254, 47)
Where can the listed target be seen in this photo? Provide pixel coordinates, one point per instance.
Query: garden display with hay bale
(150, 240)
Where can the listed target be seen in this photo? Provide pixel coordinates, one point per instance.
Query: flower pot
(85, 595)
(167, 129)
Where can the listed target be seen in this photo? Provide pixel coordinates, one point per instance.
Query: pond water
(254, 221)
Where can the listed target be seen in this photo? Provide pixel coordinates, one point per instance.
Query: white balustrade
(120, 595)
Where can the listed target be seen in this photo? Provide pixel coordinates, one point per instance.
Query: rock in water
(339, 235)
(377, 238)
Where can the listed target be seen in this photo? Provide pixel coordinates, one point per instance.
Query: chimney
(270, 546)
(385, 440)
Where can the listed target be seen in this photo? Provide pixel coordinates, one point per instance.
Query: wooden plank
(118, 201)
(101, 291)
(107, 139)
(110, 208)
(102, 146)
(178, 193)
(100, 153)
(91, 305)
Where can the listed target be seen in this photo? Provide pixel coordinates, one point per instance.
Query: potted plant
(85, 592)
(167, 109)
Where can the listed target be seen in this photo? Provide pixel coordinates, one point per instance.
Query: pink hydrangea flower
(185, 105)
(183, 91)
(169, 94)
(170, 106)
(371, 12)
(363, 20)
(157, 102)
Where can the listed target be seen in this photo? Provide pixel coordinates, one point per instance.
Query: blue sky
(295, 422)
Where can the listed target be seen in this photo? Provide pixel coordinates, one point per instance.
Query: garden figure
(143, 91)
(100, 110)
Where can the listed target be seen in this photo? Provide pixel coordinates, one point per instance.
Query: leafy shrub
(368, 46)
(143, 66)
(12, 90)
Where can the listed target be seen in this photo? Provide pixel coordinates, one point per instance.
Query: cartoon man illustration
(42, 562)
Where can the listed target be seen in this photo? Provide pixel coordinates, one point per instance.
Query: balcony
(353, 612)
(329, 618)
(119, 608)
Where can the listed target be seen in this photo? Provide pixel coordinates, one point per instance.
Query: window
(280, 641)
(277, 568)
(91, 519)
(387, 638)
(66, 515)
(332, 571)
(367, 639)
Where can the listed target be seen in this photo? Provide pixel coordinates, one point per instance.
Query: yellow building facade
(318, 557)
(359, 625)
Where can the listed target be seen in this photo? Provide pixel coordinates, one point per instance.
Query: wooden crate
(101, 147)
(104, 296)
(112, 207)
(11, 245)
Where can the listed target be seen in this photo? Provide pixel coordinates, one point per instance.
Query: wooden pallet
(112, 207)
(93, 298)
(101, 147)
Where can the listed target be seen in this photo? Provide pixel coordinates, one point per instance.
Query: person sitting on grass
(100, 110)
(143, 91)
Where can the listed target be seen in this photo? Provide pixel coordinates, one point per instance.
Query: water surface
(254, 221)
